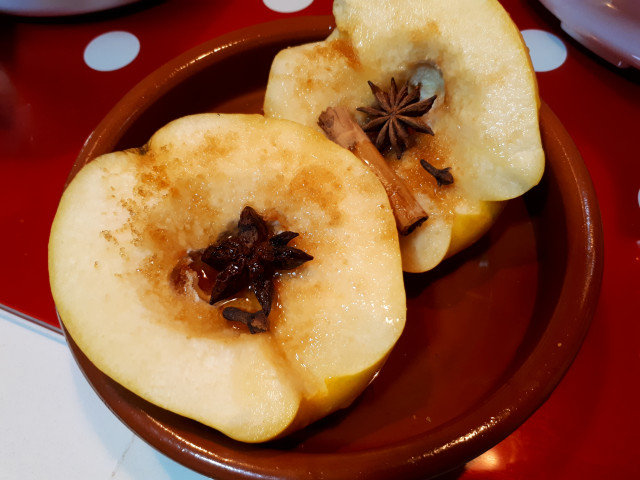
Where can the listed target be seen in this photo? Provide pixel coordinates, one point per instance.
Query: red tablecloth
(50, 101)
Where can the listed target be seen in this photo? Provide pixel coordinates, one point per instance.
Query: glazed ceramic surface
(51, 8)
(489, 333)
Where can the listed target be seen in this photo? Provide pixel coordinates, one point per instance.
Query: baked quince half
(132, 226)
(483, 120)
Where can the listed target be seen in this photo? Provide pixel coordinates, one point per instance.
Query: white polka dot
(111, 51)
(287, 6)
(639, 198)
(547, 51)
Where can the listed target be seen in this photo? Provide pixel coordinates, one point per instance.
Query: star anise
(396, 111)
(250, 258)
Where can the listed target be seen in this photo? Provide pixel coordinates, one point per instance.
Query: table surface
(51, 100)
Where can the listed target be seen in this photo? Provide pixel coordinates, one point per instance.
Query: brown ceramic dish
(489, 333)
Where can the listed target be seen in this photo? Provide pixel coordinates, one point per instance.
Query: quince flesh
(127, 219)
(485, 118)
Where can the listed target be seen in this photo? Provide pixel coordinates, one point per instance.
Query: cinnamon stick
(340, 127)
